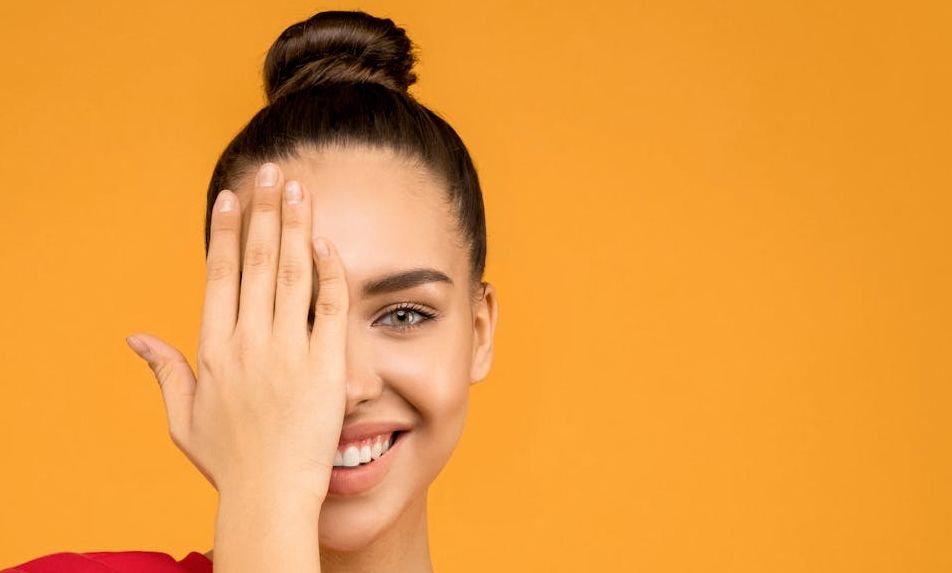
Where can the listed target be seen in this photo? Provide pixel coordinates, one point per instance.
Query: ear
(485, 314)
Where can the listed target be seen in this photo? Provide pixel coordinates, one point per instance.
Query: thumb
(175, 378)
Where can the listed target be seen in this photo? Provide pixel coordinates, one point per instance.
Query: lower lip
(350, 481)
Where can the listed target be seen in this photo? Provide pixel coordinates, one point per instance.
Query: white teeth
(351, 457)
(363, 452)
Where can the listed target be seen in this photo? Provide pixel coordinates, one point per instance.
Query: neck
(402, 548)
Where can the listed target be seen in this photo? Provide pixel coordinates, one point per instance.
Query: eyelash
(411, 306)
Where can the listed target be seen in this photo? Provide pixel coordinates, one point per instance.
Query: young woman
(345, 317)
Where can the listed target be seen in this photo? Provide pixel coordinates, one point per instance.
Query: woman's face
(386, 216)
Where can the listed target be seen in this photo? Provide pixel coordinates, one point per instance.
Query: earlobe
(484, 328)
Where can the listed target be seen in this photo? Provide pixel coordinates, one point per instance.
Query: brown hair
(340, 78)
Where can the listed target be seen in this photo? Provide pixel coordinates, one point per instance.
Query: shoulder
(114, 562)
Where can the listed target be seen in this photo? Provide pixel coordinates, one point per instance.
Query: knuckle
(225, 227)
(290, 274)
(162, 371)
(219, 267)
(293, 220)
(331, 278)
(331, 295)
(264, 203)
(259, 256)
(330, 307)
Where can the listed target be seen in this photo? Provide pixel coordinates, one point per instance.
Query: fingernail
(267, 175)
(138, 346)
(322, 249)
(225, 202)
(292, 192)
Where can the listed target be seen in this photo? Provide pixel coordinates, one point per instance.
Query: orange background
(720, 232)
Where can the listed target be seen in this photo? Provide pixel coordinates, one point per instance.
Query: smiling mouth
(354, 457)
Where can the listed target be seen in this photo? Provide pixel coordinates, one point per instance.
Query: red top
(114, 562)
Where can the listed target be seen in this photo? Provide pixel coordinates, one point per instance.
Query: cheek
(431, 372)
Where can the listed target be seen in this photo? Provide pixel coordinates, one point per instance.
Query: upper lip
(362, 430)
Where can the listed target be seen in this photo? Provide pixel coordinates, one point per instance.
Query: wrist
(262, 526)
(278, 493)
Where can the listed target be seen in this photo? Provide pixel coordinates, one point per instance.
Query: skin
(383, 214)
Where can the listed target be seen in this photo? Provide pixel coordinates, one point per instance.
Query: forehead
(383, 212)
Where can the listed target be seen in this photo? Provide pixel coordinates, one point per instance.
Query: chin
(351, 525)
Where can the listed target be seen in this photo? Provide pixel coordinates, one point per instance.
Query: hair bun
(339, 47)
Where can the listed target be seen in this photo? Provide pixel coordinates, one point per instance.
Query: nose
(363, 383)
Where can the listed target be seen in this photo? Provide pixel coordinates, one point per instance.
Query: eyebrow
(403, 280)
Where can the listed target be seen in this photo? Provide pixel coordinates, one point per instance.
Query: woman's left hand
(266, 411)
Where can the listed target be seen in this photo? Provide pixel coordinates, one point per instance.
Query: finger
(220, 308)
(295, 265)
(260, 264)
(329, 336)
(175, 377)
